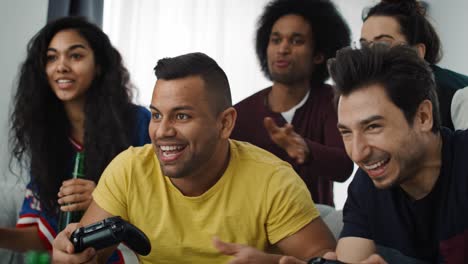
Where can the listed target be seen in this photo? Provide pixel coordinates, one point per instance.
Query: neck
(207, 175)
(76, 117)
(283, 97)
(425, 179)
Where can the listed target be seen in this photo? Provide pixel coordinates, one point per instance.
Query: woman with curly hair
(74, 97)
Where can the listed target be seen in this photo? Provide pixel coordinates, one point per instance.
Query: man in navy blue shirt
(410, 194)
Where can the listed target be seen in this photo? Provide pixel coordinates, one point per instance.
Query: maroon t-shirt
(316, 122)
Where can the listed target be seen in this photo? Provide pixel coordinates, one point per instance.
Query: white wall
(451, 22)
(19, 21)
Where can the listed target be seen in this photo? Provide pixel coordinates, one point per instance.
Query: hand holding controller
(108, 232)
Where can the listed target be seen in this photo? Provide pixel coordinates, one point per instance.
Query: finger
(374, 259)
(77, 181)
(225, 247)
(270, 125)
(62, 241)
(288, 129)
(68, 190)
(300, 156)
(72, 189)
(290, 260)
(75, 198)
(76, 206)
(330, 256)
(87, 256)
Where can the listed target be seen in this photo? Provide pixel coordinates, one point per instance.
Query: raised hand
(243, 254)
(287, 139)
(75, 194)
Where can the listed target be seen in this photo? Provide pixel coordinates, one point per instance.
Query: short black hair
(406, 78)
(411, 16)
(198, 64)
(330, 31)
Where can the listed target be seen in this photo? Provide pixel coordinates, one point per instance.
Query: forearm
(354, 249)
(21, 239)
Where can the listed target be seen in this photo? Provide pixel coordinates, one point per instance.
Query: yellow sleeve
(112, 189)
(290, 205)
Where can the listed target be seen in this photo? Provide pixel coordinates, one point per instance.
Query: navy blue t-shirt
(434, 228)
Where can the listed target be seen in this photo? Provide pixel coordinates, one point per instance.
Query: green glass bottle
(71, 217)
(37, 257)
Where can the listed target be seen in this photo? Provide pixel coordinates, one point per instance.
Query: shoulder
(459, 108)
(455, 145)
(449, 79)
(248, 153)
(258, 167)
(253, 100)
(142, 120)
(321, 99)
(142, 113)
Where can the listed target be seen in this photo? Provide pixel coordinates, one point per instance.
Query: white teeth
(375, 165)
(64, 81)
(169, 148)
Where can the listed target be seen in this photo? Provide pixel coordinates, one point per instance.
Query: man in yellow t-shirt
(198, 196)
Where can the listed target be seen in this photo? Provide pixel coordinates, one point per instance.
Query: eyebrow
(294, 34)
(378, 37)
(183, 107)
(72, 47)
(363, 122)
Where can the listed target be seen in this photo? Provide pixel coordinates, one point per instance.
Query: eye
(51, 57)
(373, 127)
(76, 56)
(363, 43)
(182, 116)
(275, 40)
(345, 133)
(297, 41)
(155, 116)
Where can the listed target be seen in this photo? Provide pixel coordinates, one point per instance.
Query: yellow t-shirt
(258, 201)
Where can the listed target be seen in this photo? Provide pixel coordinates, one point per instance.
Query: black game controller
(320, 260)
(108, 232)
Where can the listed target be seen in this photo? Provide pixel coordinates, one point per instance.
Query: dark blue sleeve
(355, 212)
(141, 135)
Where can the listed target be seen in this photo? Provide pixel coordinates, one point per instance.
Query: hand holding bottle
(75, 194)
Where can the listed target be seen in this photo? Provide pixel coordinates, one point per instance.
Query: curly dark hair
(411, 16)
(330, 31)
(40, 127)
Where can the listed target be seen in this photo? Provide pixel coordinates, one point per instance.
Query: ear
(421, 49)
(318, 59)
(424, 119)
(227, 120)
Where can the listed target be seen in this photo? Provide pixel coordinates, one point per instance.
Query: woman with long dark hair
(72, 114)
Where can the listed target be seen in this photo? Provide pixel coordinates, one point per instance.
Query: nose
(62, 65)
(284, 46)
(165, 129)
(360, 149)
